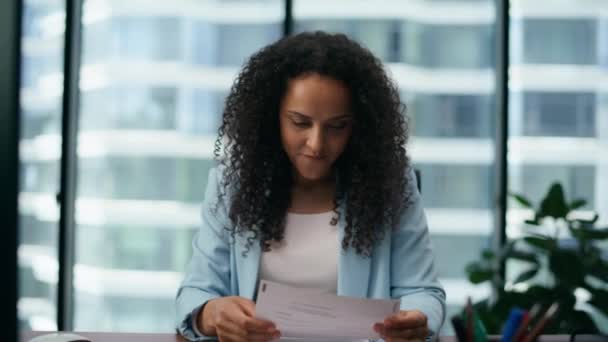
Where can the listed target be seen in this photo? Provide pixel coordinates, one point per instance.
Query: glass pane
(153, 83)
(42, 88)
(441, 54)
(558, 111)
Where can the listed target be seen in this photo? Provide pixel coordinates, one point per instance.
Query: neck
(309, 197)
(304, 184)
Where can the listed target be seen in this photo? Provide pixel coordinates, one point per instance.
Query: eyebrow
(343, 116)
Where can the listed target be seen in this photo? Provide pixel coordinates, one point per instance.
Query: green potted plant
(565, 263)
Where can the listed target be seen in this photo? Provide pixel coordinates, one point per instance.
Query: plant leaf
(521, 199)
(479, 274)
(527, 275)
(524, 256)
(572, 320)
(599, 270)
(541, 242)
(488, 254)
(592, 221)
(578, 203)
(582, 223)
(532, 222)
(539, 291)
(599, 299)
(567, 268)
(554, 204)
(591, 233)
(492, 320)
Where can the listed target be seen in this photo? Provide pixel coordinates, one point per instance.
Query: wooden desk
(140, 337)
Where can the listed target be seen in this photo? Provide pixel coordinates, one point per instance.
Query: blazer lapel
(247, 267)
(353, 269)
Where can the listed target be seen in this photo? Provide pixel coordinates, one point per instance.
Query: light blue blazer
(401, 265)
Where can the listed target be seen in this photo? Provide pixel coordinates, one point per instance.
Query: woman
(314, 189)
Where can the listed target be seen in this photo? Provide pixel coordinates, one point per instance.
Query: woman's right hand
(232, 319)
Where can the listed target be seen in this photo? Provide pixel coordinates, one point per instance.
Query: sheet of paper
(315, 316)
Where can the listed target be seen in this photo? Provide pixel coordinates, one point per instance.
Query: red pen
(538, 328)
(523, 325)
(469, 320)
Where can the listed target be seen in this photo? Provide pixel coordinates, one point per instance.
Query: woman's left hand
(403, 326)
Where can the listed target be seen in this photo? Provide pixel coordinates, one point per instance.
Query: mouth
(313, 157)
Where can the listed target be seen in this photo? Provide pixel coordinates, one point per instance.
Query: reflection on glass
(153, 83)
(443, 65)
(40, 145)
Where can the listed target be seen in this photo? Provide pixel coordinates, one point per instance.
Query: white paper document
(309, 315)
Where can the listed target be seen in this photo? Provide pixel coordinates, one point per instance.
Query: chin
(313, 175)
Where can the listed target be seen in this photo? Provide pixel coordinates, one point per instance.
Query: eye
(300, 124)
(339, 125)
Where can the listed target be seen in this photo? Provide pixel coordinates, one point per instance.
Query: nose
(315, 141)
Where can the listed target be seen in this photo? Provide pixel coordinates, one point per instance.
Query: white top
(308, 255)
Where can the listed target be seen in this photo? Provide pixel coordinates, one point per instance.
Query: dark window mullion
(67, 192)
(502, 128)
(10, 67)
(288, 19)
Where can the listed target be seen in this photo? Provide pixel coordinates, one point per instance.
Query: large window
(152, 85)
(557, 116)
(153, 80)
(157, 77)
(42, 73)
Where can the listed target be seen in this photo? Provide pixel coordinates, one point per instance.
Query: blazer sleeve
(207, 275)
(413, 275)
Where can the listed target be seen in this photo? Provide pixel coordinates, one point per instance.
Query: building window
(447, 46)
(457, 186)
(452, 115)
(560, 41)
(559, 114)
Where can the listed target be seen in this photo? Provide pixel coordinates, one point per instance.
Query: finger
(406, 319)
(399, 339)
(228, 337)
(413, 316)
(258, 325)
(249, 309)
(250, 322)
(230, 329)
(416, 333)
(233, 333)
(263, 337)
(248, 326)
(379, 328)
(236, 318)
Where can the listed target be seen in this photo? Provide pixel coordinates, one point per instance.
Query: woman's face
(316, 124)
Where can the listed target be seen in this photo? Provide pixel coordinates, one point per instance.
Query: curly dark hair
(372, 170)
